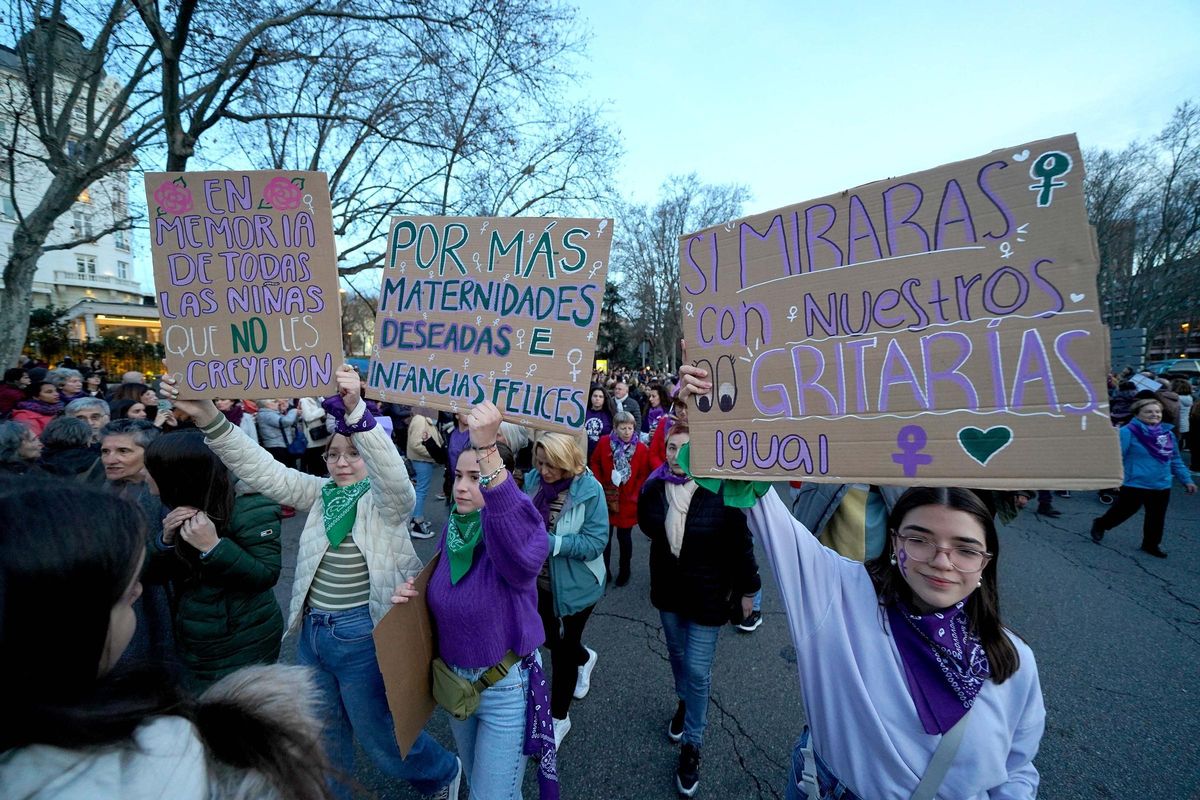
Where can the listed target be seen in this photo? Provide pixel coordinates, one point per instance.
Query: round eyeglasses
(963, 559)
(350, 458)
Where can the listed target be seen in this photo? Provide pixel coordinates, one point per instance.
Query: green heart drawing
(982, 445)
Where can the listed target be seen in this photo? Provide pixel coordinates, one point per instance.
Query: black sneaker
(1097, 531)
(675, 729)
(750, 624)
(687, 775)
(1155, 551)
(1048, 511)
(420, 529)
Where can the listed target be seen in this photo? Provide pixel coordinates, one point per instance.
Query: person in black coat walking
(702, 574)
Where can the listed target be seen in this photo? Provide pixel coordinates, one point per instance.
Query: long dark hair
(189, 473)
(983, 604)
(58, 585)
(130, 391)
(610, 403)
(52, 640)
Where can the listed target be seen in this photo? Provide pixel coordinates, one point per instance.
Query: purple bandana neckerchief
(945, 664)
(664, 473)
(337, 409)
(1156, 439)
(547, 493)
(539, 730)
(42, 407)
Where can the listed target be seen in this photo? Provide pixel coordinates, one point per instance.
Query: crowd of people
(169, 675)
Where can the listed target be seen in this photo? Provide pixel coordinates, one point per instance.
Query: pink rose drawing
(173, 198)
(282, 194)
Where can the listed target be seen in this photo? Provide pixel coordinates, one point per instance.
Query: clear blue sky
(798, 99)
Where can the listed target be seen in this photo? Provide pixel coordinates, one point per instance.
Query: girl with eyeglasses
(355, 550)
(912, 685)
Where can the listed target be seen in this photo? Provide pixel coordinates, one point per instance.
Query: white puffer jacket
(380, 528)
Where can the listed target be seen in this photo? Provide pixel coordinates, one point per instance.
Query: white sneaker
(583, 683)
(561, 728)
(450, 791)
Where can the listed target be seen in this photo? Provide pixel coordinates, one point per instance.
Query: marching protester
(627, 403)
(92, 410)
(621, 463)
(422, 432)
(482, 597)
(128, 409)
(599, 419)
(236, 413)
(277, 429)
(20, 449)
(571, 503)
(316, 432)
(1150, 457)
(702, 568)
(79, 722)
(42, 403)
(12, 390)
(222, 550)
(68, 450)
(932, 690)
(353, 552)
(69, 383)
(1184, 389)
(656, 399)
(134, 391)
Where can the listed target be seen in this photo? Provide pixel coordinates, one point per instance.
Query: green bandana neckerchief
(737, 494)
(462, 534)
(341, 508)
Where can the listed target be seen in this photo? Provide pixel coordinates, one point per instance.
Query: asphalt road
(1116, 634)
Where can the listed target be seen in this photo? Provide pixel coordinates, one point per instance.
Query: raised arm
(390, 487)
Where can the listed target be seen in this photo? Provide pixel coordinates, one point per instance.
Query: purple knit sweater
(493, 608)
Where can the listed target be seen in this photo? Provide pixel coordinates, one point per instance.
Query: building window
(85, 265)
(122, 239)
(82, 222)
(123, 270)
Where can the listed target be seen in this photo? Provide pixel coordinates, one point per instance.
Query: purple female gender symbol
(911, 441)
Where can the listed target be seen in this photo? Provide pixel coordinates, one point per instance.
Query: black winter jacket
(716, 561)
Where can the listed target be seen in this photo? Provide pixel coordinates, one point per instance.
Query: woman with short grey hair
(67, 447)
(69, 383)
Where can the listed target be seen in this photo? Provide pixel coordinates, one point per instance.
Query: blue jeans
(691, 647)
(424, 470)
(828, 785)
(338, 645)
(490, 740)
(758, 600)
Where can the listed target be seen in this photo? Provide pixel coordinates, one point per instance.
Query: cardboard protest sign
(404, 650)
(504, 309)
(936, 329)
(245, 273)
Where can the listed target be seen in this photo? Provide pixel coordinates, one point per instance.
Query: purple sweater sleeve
(515, 533)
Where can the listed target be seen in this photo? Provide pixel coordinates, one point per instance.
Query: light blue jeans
(490, 740)
(424, 470)
(692, 648)
(338, 645)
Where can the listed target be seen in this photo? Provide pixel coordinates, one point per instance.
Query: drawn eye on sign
(724, 380)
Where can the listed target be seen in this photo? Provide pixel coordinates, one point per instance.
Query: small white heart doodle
(1021, 156)
(1076, 297)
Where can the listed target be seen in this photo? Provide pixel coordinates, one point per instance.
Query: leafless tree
(436, 119)
(1144, 202)
(154, 79)
(646, 255)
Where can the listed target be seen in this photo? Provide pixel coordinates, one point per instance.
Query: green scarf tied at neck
(462, 534)
(736, 494)
(341, 508)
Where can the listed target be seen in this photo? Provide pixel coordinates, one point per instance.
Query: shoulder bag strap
(282, 432)
(935, 773)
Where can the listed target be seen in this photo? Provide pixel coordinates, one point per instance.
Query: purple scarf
(1157, 440)
(945, 664)
(547, 493)
(235, 413)
(335, 408)
(664, 473)
(539, 730)
(41, 407)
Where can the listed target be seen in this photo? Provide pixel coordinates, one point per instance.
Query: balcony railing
(68, 278)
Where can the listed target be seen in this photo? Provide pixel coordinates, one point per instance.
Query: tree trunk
(17, 298)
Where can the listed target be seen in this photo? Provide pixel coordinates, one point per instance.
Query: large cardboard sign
(504, 309)
(404, 650)
(245, 273)
(941, 328)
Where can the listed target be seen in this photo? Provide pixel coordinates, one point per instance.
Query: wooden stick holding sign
(937, 329)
